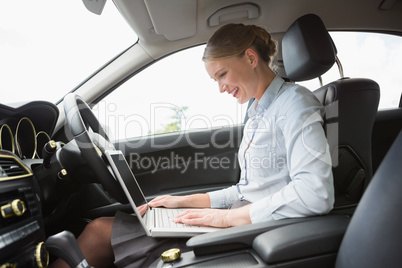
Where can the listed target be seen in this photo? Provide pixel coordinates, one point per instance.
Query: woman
(284, 159)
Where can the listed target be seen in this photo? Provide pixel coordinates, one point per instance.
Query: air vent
(12, 168)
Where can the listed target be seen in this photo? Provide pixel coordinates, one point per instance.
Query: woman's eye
(222, 75)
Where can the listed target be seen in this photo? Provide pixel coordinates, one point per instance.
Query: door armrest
(301, 240)
(243, 236)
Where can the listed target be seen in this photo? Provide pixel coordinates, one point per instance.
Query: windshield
(48, 47)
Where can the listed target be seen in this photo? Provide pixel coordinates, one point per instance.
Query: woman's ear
(252, 57)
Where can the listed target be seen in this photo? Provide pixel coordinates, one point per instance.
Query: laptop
(157, 222)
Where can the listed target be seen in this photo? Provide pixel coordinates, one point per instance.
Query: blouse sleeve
(223, 198)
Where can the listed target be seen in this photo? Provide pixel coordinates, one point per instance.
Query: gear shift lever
(63, 245)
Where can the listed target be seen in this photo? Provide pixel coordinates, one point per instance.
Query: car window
(369, 55)
(48, 47)
(173, 94)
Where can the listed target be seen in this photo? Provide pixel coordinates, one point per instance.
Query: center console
(22, 233)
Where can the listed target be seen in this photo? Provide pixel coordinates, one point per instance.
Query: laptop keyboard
(165, 218)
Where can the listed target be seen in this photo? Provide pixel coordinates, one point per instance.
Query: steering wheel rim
(77, 114)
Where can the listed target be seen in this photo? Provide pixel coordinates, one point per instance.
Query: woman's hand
(166, 201)
(215, 217)
(142, 209)
(188, 201)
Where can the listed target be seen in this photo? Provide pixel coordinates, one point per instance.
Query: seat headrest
(307, 49)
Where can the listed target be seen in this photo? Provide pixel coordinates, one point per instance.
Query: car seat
(350, 106)
(372, 237)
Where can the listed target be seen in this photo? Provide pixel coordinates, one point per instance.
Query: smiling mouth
(234, 92)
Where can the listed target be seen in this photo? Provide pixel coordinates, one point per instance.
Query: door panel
(185, 162)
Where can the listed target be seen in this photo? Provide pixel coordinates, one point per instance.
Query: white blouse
(284, 157)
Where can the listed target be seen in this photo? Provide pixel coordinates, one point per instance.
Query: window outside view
(369, 55)
(174, 94)
(185, 98)
(50, 47)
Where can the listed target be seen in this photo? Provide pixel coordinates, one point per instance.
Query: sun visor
(167, 17)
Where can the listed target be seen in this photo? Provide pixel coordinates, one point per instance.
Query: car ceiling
(169, 25)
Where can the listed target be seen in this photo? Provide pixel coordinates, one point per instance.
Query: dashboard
(24, 130)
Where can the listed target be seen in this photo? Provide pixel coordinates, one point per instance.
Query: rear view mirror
(95, 6)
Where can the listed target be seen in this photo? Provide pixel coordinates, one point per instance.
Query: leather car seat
(370, 239)
(373, 237)
(350, 106)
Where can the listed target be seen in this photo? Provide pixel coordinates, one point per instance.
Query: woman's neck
(266, 76)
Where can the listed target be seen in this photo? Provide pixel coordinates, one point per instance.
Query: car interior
(55, 179)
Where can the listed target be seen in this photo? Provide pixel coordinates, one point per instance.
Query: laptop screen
(127, 176)
(136, 197)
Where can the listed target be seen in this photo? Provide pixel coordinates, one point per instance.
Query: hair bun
(233, 39)
(263, 35)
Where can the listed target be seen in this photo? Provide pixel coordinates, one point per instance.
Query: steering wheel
(78, 114)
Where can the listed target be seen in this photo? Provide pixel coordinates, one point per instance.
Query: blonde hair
(233, 40)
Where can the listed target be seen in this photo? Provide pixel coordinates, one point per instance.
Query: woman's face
(236, 76)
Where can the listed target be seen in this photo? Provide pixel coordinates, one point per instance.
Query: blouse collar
(270, 94)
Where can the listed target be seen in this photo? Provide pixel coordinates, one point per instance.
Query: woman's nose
(222, 88)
